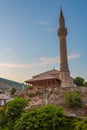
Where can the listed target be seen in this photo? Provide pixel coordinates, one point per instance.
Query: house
(48, 79)
(4, 99)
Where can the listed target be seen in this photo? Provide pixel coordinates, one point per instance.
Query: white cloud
(47, 60)
(42, 22)
(42, 61)
(73, 56)
(52, 29)
(16, 65)
(8, 49)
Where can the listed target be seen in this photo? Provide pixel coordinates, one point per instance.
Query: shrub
(14, 110)
(80, 124)
(3, 119)
(15, 107)
(73, 99)
(4, 128)
(48, 117)
(85, 84)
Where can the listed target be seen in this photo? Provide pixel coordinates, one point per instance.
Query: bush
(3, 119)
(4, 128)
(80, 124)
(85, 84)
(14, 110)
(15, 107)
(73, 99)
(48, 117)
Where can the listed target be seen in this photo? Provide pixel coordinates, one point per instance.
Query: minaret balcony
(62, 31)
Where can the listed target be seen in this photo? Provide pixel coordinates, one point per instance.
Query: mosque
(54, 78)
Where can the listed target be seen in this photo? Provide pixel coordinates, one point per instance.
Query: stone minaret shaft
(62, 33)
(66, 80)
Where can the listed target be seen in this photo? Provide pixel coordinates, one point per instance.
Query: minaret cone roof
(61, 19)
(61, 14)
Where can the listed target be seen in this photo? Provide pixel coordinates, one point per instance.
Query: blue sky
(28, 37)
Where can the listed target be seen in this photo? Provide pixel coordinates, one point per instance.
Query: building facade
(48, 79)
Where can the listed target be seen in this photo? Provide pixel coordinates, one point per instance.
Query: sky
(29, 44)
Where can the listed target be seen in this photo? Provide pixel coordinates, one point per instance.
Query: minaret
(66, 80)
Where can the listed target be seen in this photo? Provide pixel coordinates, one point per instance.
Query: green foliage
(14, 110)
(80, 124)
(1, 91)
(13, 90)
(48, 117)
(85, 84)
(3, 119)
(79, 81)
(15, 107)
(73, 99)
(29, 87)
(4, 128)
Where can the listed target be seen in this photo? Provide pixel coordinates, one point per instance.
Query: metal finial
(60, 8)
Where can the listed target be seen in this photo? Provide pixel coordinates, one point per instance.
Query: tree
(13, 90)
(73, 99)
(79, 81)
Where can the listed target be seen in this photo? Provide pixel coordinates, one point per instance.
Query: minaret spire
(61, 19)
(64, 69)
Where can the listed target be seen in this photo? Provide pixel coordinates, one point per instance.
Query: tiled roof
(5, 97)
(51, 74)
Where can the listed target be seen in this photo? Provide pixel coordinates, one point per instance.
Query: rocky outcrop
(55, 96)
